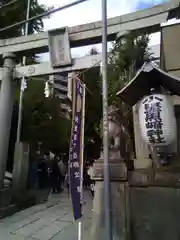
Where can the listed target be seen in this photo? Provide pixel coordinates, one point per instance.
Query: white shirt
(90, 171)
(62, 167)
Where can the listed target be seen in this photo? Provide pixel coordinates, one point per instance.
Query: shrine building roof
(148, 77)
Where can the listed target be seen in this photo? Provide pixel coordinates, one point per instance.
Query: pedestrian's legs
(60, 183)
(92, 188)
(57, 185)
(92, 193)
(53, 186)
(68, 188)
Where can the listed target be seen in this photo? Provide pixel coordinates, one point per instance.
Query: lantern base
(154, 213)
(159, 177)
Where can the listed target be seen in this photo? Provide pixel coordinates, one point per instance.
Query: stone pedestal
(6, 207)
(154, 204)
(145, 202)
(118, 172)
(5, 197)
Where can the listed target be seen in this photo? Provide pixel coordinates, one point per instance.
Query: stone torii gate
(63, 39)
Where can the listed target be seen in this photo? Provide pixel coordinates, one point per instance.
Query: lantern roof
(148, 77)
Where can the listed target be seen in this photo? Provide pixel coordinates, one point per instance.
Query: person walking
(66, 182)
(56, 176)
(43, 173)
(92, 182)
(86, 177)
(63, 173)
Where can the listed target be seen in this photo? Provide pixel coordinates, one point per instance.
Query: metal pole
(82, 158)
(107, 186)
(82, 137)
(6, 108)
(23, 80)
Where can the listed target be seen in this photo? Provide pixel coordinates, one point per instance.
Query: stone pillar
(20, 168)
(142, 159)
(6, 107)
(119, 190)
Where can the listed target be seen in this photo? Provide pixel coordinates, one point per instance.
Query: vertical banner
(76, 143)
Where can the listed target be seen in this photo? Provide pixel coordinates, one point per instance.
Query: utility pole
(23, 81)
(6, 108)
(107, 184)
(19, 161)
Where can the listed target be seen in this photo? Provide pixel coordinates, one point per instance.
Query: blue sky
(91, 11)
(142, 4)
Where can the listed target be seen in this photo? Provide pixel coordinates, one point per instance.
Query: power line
(42, 15)
(8, 4)
(87, 69)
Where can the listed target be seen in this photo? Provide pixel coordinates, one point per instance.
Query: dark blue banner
(75, 160)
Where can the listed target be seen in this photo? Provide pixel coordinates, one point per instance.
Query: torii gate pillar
(6, 108)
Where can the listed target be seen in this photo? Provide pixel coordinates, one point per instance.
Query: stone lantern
(154, 183)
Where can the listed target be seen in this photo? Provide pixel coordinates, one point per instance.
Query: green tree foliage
(9, 15)
(127, 56)
(16, 13)
(93, 113)
(43, 120)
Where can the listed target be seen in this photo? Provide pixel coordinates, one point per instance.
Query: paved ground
(51, 220)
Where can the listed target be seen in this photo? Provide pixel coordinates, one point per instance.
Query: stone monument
(120, 150)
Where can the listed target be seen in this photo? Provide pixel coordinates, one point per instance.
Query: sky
(142, 4)
(90, 11)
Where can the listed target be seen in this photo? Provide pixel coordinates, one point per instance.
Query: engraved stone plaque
(59, 47)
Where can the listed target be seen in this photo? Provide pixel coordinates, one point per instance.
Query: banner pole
(79, 230)
(82, 138)
(82, 158)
